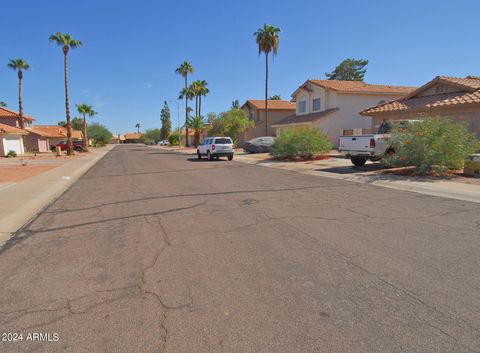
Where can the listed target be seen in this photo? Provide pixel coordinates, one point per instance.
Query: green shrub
(173, 139)
(11, 154)
(304, 143)
(433, 145)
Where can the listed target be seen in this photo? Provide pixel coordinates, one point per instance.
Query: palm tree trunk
(21, 122)
(84, 133)
(200, 105)
(266, 94)
(186, 114)
(67, 105)
(196, 105)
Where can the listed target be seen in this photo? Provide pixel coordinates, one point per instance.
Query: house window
(316, 104)
(302, 106)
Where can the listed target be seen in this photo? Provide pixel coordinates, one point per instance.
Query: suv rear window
(223, 141)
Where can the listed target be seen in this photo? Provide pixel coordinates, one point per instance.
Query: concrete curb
(446, 189)
(29, 197)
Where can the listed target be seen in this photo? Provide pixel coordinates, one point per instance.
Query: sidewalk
(341, 168)
(20, 202)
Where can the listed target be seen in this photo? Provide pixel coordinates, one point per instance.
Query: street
(152, 251)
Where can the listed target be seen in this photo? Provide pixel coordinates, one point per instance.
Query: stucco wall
(37, 143)
(471, 116)
(258, 116)
(348, 116)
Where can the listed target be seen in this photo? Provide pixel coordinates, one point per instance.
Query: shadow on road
(353, 169)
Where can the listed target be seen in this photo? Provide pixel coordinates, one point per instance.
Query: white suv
(216, 147)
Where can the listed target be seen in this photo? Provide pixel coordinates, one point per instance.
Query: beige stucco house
(255, 110)
(333, 106)
(11, 139)
(453, 97)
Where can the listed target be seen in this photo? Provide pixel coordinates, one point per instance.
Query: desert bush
(304, 143)
(11, 154)
(173, 139)
(433, 145)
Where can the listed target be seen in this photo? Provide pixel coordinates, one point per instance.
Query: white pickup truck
(361, 148)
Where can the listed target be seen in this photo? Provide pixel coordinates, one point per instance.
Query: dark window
(223, 141)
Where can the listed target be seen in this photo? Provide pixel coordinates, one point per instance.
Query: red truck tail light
(372, 143)
(213, 147)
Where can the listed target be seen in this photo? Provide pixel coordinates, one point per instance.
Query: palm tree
(67, 42)
(267, 39)
(3, 104)
(137, 126)
(203, 92)
(198, 124)
(19, 65)
(184, 69)
(195, 92)
(84, 110)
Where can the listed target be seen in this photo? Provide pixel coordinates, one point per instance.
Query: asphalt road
(152, 251)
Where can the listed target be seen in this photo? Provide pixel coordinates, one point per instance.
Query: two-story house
(333, 106)
(255, 110)
(11, 136)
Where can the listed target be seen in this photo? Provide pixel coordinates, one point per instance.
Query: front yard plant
(11, 154)
(302, 143)
(434, 145)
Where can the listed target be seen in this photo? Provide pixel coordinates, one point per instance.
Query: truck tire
(358, 161)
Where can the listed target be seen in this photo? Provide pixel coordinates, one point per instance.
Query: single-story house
(255, 110)
(117, 139)
(452, 97)
(333, 106)
(42, 137)
(11, 139)
(10, 117)
(134, 137)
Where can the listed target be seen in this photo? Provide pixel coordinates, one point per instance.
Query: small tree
(153, 135)
(304, 143)
(433, 145)
(76, 123)
(235, 104)
(198, 124)
(99, 134)
(166, 121)
(349, 70)
(173, 139)
(230, 123)
(275, 97)
(3, 104)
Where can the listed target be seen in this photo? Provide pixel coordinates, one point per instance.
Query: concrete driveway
(152, 251)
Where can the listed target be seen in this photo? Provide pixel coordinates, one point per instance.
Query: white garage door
(13, 144)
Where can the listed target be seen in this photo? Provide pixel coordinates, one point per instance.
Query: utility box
(472, 166)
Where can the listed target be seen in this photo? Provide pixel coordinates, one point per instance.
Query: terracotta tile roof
(361, 87)
(7, 129)
(303, 119)
(54, 131)
(133, 136)
(272, 104)
(469, 94)
(8, 113)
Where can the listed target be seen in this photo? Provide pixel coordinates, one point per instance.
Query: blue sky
(131, 49)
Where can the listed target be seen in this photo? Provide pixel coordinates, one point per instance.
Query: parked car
(163, 143)
(77, 146)
(216, 147)
(259, 144)
(374, 147)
